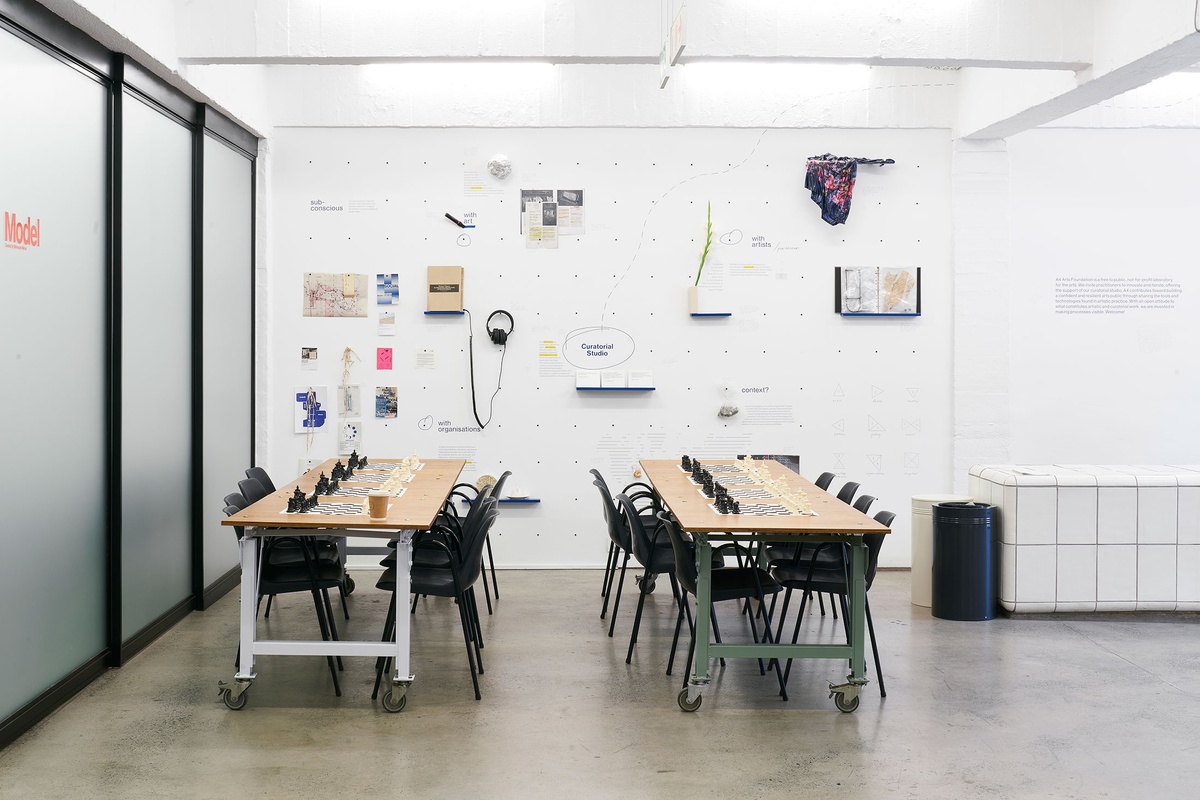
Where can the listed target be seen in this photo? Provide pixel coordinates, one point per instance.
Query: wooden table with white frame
(833, 521)
(414, 510)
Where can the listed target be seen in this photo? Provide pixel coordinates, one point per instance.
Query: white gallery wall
(868, 399)
(1102, 364)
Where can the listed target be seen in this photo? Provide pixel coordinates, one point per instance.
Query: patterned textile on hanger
(831, 183)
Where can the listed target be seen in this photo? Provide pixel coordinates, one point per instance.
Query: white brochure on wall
(641, 379)
(612, 379)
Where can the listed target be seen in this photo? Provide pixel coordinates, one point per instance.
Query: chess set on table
(787, 501)
(390, 479)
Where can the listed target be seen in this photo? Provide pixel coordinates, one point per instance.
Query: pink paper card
(383, 358)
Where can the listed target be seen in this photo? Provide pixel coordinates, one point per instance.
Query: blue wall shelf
(715, 314)
(445, 312)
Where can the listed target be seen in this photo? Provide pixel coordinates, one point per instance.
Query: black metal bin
(965, 564)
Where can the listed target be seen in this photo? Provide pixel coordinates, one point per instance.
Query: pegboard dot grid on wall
(868, 399)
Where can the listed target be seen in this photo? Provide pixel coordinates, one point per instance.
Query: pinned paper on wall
(425, 358)
(333, 294)
(349, 436)
(385, 402)
(383, 358)
(570, 212)
(387, 289)
(539, 218)
(308, 358)
(349, 401)
(387, 323)
(309, 407)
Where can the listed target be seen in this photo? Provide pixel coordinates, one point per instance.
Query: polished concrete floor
(1098, 707)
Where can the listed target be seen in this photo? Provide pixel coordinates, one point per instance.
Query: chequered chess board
(362, 491)
(735, 480)
(390, 465)
(750, 494)
(716, 469)
(339, 509)
(761, 510)
(368, 477)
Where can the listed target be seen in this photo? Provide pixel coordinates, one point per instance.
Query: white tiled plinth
(1095, 538)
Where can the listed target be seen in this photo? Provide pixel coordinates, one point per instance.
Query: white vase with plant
(703, 300)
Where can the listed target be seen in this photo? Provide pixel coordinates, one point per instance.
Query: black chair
(743, 583)
(824, 479)
(846, 493)
(252, 490)
(863, 503)
(489, 491)
(650, 552)
(287, 551)
(455, 578)
(309, 575)
(817, 577)
(259, 474)
(619, 540)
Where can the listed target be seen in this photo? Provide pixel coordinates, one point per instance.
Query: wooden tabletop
(693, 511)
(416, 508)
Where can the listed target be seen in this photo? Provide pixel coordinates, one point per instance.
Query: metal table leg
(402, 677)
(234, 694)
(690, 698)
(845, 696)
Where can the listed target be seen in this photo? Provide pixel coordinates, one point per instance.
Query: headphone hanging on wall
(498, 334)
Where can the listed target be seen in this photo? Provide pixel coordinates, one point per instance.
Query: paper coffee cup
(377, 504)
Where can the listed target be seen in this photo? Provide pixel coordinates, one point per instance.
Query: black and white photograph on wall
(550, 214)
(308, 358)
(536, 196)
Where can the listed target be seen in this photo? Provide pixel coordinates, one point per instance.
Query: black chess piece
(333, 487)
(362, 462)
(339, 471)
(686, 463)
(735, 507)
(722, 504)
(719, 489)
(296, 502)
(310, 502)
(353, 459)
(322, 484)
(708, 486)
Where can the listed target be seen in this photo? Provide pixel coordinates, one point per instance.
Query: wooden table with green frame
(834, 521)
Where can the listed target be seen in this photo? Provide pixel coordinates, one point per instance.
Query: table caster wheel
(394, 703)
(685, 705)
(647, 586)
(844, 705)
(234, 703)
(348, 585)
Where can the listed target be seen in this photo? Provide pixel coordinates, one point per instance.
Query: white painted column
(982, 306)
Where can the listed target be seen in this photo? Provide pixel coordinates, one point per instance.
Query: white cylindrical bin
(922, 544)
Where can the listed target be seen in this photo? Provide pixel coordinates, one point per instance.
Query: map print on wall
(878, 290)
(335, 294)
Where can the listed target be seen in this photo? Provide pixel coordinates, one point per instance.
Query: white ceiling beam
(1016, 34)
(1136, 42)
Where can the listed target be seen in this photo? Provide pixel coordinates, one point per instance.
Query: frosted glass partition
(53, 588)
(228, 347)
(156, 353)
